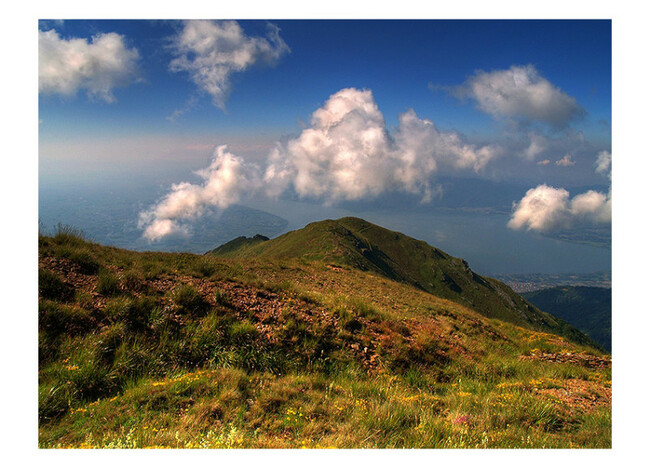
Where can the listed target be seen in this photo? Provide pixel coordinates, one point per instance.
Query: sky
(74, 140)
(94, 138)
(331, 113)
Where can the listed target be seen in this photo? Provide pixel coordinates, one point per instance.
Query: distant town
(534, 281)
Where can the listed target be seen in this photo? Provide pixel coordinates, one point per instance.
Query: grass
(223, 408)
(176, 350)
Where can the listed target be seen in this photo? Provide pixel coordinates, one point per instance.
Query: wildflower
(462, 419)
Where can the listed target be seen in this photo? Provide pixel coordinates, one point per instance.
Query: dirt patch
(579, 395)
(581, 359)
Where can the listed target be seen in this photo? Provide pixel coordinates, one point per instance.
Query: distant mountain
(239, 243)
(111, 218)
(586, 308)
(358, 244)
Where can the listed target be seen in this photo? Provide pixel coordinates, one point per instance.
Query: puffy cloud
(544, 162)
(348, 154)
(604, 163)
(224, 181)
(565, 161)
(521, 93)
(545, 208)
(68, 65)
(343, 155)
(211, 51)
(538, 144)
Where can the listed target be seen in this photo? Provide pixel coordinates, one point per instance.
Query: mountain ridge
(585, 307)
(356, 243)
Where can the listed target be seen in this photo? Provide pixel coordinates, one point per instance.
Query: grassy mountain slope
(180, 350)
(239, 243)
(587, 308)
(361, 245)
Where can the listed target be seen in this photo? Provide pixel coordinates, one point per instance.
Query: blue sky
(404, 63)
(330, 112)
(69, 120)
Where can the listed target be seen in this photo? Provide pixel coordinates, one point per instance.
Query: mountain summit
(358, 244)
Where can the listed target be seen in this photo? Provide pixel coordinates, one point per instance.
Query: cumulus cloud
(545, 209)
(544, 162)
(565, 161)
(211, 51)
(538, 144)
(604, 163)
(520, 93)
(224, 181)
(66, 66)
(346, 153)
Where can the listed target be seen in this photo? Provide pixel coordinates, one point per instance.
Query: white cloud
(521, 93)
(565, 161)
(544, 162)
(224, 181)
(545, 208)
(211, 51)
(348, 154)
(67, 65)
(604, 163)
(538, 144)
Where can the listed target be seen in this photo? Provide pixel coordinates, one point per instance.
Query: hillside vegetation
(358, 244)
(587, 308)
(181, 350)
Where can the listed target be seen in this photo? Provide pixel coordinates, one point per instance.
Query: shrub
(425, 350)
(209, 337)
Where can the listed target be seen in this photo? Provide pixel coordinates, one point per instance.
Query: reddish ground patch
(581, 359)
(579, 395)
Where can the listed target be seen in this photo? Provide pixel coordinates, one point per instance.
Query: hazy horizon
(492, 149)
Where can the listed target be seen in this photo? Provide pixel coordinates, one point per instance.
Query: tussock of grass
(52, 286)
(108, 283)
(189, 301)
